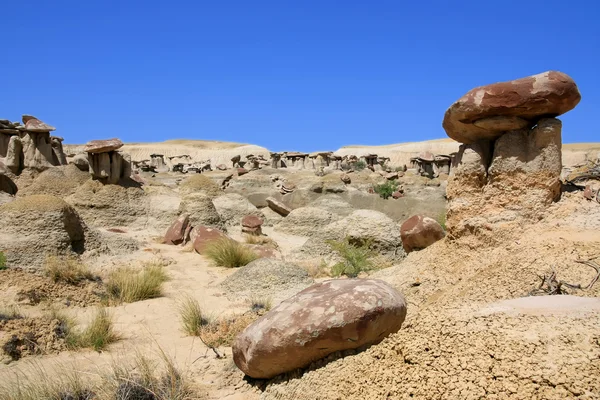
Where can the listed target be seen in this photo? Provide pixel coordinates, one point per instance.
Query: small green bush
(360, 165)
(229, 253)
(386, 189)
(2, 261)
(356, 258)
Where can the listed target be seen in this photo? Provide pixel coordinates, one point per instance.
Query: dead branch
(551, 286)
(213, 348)
(596, 267)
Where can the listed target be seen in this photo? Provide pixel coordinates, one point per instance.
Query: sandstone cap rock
(103, 146)
(32, 124)
(486, 112)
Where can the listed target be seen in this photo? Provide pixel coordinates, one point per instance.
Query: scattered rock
(221, 167)
(278, 206)
(346, 179)
(397, 195)
(251, 224)
(242, 171)
(176, 234)
(324, 318)
(203, 235)
(419, 232)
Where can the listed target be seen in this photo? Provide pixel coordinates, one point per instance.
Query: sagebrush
(385, 190)
(356, 258)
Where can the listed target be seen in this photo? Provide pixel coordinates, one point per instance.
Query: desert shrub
(2, 261)
(127, 284)
(356, 258)
(10, 312)
(200, 183)
(229, 253)
(223, 331)
(360, 165)
(260, 304)
(386, 189)
(192, 318)
(66, 269)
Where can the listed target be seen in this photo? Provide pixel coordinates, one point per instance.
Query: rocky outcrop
(324, 318)
(419, 232)
(486, 112)
(29, 145)
(106, 163)
(501, 183)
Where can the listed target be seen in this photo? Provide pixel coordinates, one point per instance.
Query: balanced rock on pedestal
(106, 163)
(507, 170)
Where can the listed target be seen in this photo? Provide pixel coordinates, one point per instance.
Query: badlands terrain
(461, 268)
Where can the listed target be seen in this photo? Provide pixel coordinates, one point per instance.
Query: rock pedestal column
(107, 164)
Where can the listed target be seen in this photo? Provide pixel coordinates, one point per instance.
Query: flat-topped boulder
(32, 124)
(486, 112)
(103, 146)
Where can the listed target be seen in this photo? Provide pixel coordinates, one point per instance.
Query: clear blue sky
(288, 75)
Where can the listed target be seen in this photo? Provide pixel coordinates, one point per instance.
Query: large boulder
(232, 207)
(266, 278)
(36, 226)
(306, 221)
(278, 206)
(487, 112)
(202, 235)
(419, 232)
(201, 210)
(327, 317)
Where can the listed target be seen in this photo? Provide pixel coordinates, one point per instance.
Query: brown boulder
(242, 171)
(278, 206)
(32, 124)
(203, 235)
(103, 146)
(346, 178)
(221, 167)
(486, 112)
(397, 195)
(252, 224)
(324, 318)
(176, 234)
(419, 232)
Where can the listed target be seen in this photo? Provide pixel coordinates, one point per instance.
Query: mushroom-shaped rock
(32, 124)
(103, 146)
(486, 112)
(330, 316)
(201, 236)
(252, 224)
(176, 233)
(419, 232)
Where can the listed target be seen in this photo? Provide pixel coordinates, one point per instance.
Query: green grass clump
(192, 318)
(441, 219)
(355, 258)
(97, 335)
(128, 285)
(386, 189)
(360, 165)
(67, 269)
(229, 253)
(2, 261)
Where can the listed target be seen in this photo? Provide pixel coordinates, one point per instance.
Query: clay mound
(458, 343)
(200, 183)
(334, 204)
(38, 225)
(59, 181)
(306, 221)
(201, 210)
(110, 205)
(267, 278)
(233, 207)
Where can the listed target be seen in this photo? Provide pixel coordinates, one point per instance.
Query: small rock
(176, 233)
(242, 171)
(419, 232)
(203, 235)
(251, 224)
(278, 206)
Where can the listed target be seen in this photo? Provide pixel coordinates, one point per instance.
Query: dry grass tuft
(128, 285)
(316, 269)
(67, 269)
(97, 335)
(10, 312)
(260, 305)
(192, 318)
(261, 240)
(224, 330)
(229, 253)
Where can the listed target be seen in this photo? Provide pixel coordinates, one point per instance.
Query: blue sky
(288, 75)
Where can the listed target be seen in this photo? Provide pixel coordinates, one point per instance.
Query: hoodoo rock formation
(106, 163)
(29, 145)
(507, 170)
